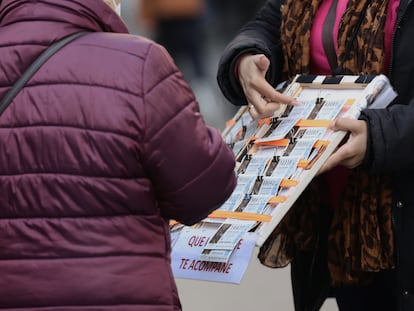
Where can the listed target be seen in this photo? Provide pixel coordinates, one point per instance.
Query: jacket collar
(402, 8)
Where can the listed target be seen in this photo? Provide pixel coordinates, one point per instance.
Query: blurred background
(195, 32)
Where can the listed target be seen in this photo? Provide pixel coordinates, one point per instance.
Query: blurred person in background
(230, 15)
(102, 147)
(178, 26)
(194, 32)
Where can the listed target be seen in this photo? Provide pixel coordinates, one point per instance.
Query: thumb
(345, 124)
(262, 62)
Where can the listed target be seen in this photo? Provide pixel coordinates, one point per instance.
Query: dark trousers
(379, 296)
(310, 280)
(184, 39)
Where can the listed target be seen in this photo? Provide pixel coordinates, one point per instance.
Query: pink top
(319, 61)
(336, 178)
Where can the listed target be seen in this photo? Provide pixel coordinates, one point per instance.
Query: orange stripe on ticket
(265, 121)
(313, 123)
(230, 123)
(350, 102)
(277, 200)
(274, 143)
(287, 183)
(321, 143)
(240, 215)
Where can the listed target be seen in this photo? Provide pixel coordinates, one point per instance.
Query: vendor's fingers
(258, 101)
(334, 160)
(347, 125)
(253, 112)
(268, 92)
(269, 109)
(271, 95)
(345, 156)
(263, 111)
(263, 108)
(262, 62)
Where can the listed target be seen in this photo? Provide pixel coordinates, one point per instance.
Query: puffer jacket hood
(90, 15)
(103, 146)
(49, 21)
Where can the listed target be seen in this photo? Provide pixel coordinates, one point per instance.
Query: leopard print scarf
(360, 239)
(365, 52)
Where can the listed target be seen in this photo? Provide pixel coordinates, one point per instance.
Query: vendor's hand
(352, 153)
(262, 98)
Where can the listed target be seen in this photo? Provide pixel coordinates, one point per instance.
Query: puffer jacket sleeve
(259, 36)
(191, 167)
(391, 140)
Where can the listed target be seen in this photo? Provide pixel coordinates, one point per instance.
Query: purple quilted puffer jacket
(103, 146)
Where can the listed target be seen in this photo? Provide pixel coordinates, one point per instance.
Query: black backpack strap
(34, 67)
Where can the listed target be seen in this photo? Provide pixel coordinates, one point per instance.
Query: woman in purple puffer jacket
(103, 147)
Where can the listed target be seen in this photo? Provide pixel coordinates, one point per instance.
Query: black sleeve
(260, 35)
(391, 139)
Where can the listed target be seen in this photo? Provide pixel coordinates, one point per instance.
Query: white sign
(186, 262)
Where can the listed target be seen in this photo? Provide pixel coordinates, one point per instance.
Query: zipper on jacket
(398, 276)
(397, 26)
(394, 226)
(393, 211)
